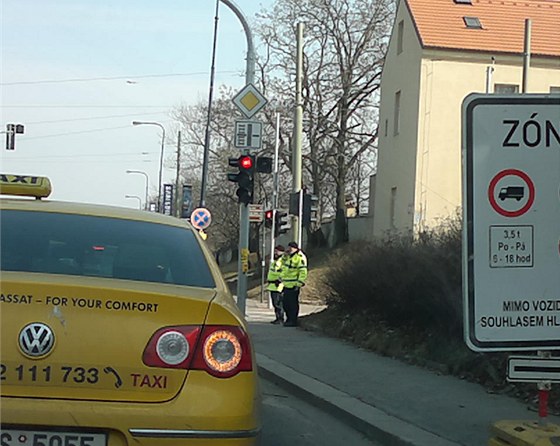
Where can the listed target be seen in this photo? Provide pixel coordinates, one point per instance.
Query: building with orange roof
(439, 52)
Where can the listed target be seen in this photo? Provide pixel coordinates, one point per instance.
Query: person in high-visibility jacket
(294, 275)
(275, 285)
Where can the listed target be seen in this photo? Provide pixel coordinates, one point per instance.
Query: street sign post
(248, 135)
(511, 210)
(249, 101)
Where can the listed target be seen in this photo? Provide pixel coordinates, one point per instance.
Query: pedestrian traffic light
(264, 164)
(282, 224)
(244, 177)
(268, 218)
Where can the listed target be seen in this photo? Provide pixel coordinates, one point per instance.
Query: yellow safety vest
(274, 274)
(294, 270)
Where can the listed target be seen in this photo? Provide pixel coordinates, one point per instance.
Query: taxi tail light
(223, 351)
(172, 347)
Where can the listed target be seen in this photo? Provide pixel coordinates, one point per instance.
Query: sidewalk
(393, 402)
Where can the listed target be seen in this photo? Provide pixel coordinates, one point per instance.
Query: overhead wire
(86, 106)
(92, 118)
(111, 78)
(26, 138)
(82, 155)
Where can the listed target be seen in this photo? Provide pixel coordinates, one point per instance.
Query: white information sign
(511, 246)
(248, 135)
(256, 212)
(511, 211)
(533, 369)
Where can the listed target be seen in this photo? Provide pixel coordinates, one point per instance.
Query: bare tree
(344, 50)
(220, 197)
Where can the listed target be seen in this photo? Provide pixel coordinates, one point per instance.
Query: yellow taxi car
(116, 329)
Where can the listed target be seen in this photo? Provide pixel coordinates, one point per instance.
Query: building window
(386, 127)
(393, 206)
(400, 33)
(397, 112)
(463, 2)
(472, 22)
(554, 89)
(506, 88)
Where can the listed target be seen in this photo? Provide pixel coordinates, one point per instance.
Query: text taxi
(116, 329)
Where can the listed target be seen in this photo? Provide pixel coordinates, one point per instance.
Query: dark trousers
(276, 298)
(290, 300)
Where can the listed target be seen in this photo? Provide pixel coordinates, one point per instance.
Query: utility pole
(298, 130)
(178, 193)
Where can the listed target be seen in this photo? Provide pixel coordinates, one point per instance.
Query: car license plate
(16, 437)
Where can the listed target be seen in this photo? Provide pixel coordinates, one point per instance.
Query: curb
(372, 422)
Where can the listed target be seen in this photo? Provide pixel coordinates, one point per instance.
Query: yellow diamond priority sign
(249, 100)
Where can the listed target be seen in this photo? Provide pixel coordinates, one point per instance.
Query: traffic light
(310, 209)
(268, 218)
(11, 131)
(282, 223)
(244, 177)
(264, 164)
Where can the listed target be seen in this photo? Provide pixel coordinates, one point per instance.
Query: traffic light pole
(244, 208)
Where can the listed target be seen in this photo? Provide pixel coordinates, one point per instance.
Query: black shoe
(276, 321)
(289, 324)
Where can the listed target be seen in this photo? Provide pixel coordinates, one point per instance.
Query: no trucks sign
(511, 221)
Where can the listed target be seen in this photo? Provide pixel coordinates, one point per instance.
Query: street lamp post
(146, 193)
(137, 198)
(160, 157)
(243, 208)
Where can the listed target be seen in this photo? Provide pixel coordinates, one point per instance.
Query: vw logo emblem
(36, 339)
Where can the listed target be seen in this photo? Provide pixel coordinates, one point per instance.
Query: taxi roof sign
(25, 185)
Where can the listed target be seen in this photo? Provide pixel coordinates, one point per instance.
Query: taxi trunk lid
(84, 338)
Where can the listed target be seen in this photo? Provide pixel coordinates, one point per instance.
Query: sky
(76, 73)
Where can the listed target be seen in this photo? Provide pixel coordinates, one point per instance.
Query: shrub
(407, 283)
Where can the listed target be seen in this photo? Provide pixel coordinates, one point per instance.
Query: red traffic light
(246, 162)
(268, 215)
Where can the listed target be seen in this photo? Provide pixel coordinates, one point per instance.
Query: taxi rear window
(84, 245)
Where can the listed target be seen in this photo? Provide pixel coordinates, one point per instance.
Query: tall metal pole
(209, 113)
(177, 195)
(263, 261)
(146, 188)
(526, 55)
(250, 62)
(136, 197)
(298, 130)
(243, 208)
(160, 207)
(489, 73)
(275, 190)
